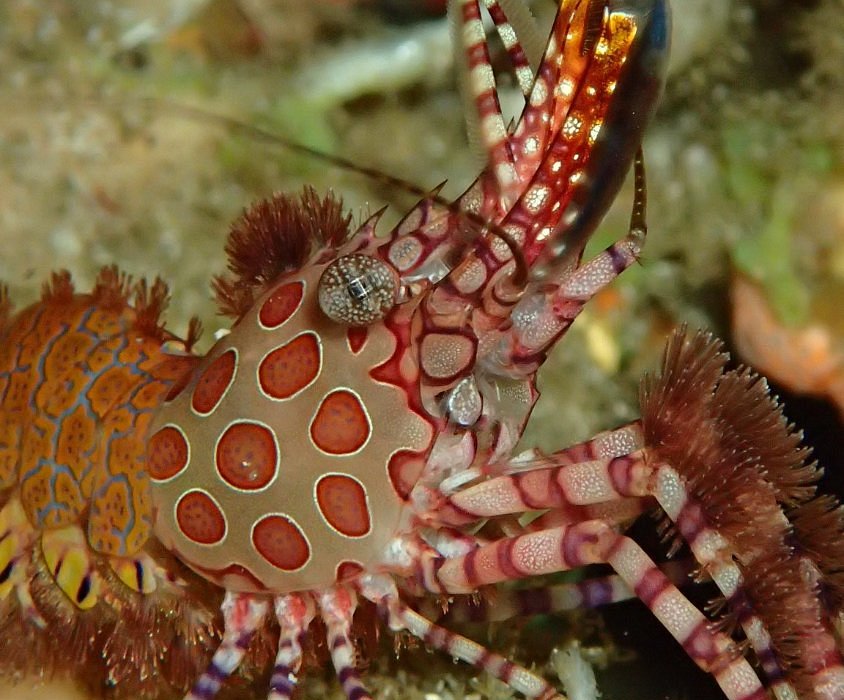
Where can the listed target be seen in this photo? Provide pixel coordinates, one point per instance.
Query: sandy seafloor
(745, 168)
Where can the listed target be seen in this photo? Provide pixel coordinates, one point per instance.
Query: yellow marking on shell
(73, 424)
(66, 555)
(8, 549)
(15, 534)
(137, 573)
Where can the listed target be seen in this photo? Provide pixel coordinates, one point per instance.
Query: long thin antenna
(519, 276)
(638, 217)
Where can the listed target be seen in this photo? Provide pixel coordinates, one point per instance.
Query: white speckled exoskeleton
(351, 438)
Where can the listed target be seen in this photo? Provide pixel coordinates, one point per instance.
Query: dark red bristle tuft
(686, 420)
(819, 529)
(275, 236)
(150, 302)
(754, 426)
(125, 647)
(59, 288)
(194, 333)
(112, 288)
(6, 307)
(726, 436)
(782, 589)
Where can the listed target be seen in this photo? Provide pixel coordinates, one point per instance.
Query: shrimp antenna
(519, 276)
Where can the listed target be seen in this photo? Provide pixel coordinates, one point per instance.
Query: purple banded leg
(558, 309)
(824, 666)
(294, 613)
(521, 38)
(551, 487)
(419, 562)
(724, 491)
(589, 278)
(337, 608)
(459, 647)
(620, 511)
(594, 542)
(539, 319)
(508, 604)
(484, 116)
(596, 274)
(711, 550)
(505, 604)
(243, 615)
(382, 591)
(605, 445)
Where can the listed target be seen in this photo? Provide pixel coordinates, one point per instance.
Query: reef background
(745, 172)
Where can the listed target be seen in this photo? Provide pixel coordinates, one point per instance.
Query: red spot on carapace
(356, 336)
(288, 369)
(404, 469)
(247, 456)
(200, 519)
(342, 502)
(281, 542)
(340, 425)
(212, 384)
(348, 570)
(281, 304)
(167, 453)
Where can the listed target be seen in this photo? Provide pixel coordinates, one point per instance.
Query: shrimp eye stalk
(357, 290)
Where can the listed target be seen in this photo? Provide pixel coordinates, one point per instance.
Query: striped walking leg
(294, 613)
(382, 591)
(594, 542)
(505, 603)
(337, 608)
(243, 615)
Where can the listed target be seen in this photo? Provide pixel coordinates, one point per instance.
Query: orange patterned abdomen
(78, 383)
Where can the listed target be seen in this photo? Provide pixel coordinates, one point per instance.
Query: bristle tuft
(127, 646)
(233, 298)
(675, 398)
(819, 529)
(6, 307)
(726, 436)
(782, 589)
(150, 303)
(275, 236)
(194, 333)
(687, 424)
(756, 427)
(59, 288)
(112, 288)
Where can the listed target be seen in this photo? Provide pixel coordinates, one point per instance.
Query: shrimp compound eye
(357, 290)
